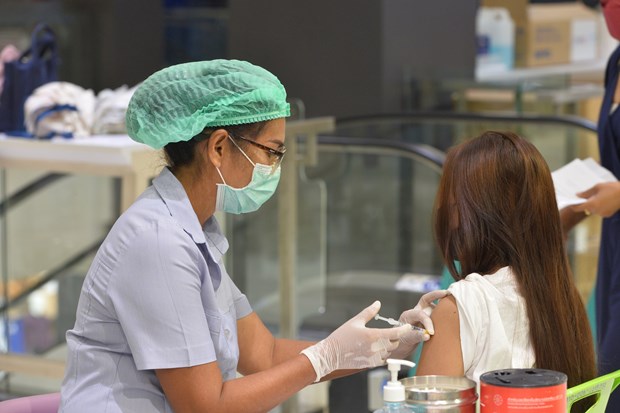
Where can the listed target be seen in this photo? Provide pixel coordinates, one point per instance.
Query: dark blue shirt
(608, 277)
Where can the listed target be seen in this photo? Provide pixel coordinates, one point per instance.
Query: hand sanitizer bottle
(394, 391)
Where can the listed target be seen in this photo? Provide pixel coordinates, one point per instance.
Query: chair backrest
(42, 403)
(601, 386)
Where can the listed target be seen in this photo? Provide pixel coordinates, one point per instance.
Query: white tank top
(495, 331)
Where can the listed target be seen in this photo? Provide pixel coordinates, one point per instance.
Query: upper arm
(156, 295)
(442, 354)
(190, 388)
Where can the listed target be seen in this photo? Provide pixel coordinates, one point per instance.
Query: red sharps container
(523, 390)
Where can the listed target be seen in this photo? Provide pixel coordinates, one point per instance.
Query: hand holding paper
(575, 178)
(602, 199)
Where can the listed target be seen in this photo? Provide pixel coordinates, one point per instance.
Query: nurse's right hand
(354, 346)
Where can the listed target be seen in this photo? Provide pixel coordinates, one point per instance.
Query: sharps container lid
(523, 378)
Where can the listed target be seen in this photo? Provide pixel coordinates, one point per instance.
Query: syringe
(397, 323)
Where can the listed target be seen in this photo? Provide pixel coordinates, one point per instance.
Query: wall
(356, 56)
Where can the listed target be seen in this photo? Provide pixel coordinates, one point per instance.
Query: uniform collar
(174, 196)
(214, 235)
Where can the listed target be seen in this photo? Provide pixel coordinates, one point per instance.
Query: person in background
(160, 324)
(514, 303)
(604, 200)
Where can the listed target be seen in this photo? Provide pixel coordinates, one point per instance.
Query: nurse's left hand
(420, 314)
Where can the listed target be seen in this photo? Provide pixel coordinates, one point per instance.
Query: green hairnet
(177, 103)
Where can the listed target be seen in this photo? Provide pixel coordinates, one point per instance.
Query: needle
(393, 322)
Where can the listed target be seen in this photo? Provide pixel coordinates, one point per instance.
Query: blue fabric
(156, 296)
(446, 277)
(591, 309)
(35, 67)
(608, 277)
(47, 112)
(50, 111)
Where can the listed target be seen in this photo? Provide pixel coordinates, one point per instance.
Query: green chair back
(601, 386)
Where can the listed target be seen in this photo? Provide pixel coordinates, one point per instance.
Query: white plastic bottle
(495, 33)
(394, 391)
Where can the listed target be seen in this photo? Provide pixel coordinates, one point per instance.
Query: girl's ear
(216, 146)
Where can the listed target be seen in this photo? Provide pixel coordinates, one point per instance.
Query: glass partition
(363, 226)
(51, 229)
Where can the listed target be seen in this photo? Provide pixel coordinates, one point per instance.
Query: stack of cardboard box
(547, 34)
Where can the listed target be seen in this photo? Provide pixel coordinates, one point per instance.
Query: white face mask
(249, 198)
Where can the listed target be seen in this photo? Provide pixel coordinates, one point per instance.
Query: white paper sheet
(578, 176)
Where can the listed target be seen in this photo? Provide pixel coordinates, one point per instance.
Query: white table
(105, 155)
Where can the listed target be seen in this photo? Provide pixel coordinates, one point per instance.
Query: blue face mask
(249, 198)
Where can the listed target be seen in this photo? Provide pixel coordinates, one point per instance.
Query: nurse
(604, 200)
(160, 325)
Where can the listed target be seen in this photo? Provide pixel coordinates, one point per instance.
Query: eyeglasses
(275, 154)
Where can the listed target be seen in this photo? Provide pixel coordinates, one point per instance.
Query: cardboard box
(548, 34)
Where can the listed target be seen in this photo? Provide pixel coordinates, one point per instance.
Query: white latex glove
(421, 313)
(354, 346)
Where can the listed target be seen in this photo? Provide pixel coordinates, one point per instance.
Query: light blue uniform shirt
(156, 296)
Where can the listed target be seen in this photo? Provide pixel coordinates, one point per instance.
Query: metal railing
(444, 116)
(24, 193)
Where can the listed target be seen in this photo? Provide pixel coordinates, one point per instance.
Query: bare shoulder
(442, 353)
(446, 310)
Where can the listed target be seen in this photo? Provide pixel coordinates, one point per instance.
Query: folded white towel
(60, 108)
(110, 110)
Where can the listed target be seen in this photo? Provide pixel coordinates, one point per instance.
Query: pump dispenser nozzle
(394, 391)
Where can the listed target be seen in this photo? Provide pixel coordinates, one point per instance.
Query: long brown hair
(496, 207)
